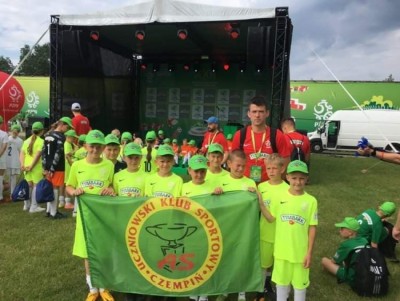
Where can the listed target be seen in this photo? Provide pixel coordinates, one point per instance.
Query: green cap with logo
(349, 223)
(132, 148)
(297, 166)
(95, 137)
(126, 136)
(198, 162)
(82, 138)
(388, 208)
(67, 120)
(165, 150)
(16, 127)
(71, 133)
(215, 147)
(37, 126)
(151, 135)
(111, 139)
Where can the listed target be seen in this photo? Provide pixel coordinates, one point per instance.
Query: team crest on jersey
(167, 253)
(292, 219)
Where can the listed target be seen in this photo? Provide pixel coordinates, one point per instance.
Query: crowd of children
(109, 165)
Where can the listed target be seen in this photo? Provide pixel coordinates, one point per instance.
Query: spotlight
(259, 69)
(94, 35)
(213, 67)
(171, 67)
(143, 66)
(242, 67)
(226, 67)
(140, 34)
(182, 34)
(186, 67)
(156, 67)
(234, 33)
(196, 67)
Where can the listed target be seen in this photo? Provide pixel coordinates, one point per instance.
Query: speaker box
(255, 45)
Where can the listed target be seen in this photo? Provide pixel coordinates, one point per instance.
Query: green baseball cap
(126, 136)
(229, 136)
(111, 139)
(174, 140)
(132, 148)
(167, 140)
(151, 135)
(95, 137)
(192, 142)
(82, 138)
(71, 133)
(37, 126)
(349, 223)
(67, 120)
(198, 162)
(297, 166)
(16, 127)
(215, 147)
(165, 150)
(388, 208)
(160, 132)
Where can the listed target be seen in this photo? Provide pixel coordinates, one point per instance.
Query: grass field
(35, 253)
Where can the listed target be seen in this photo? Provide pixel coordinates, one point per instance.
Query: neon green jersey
(214, 177)
(129, 183)
(80, 153)
(37, 147)
(294, 214)
(149, 167)
(93, 178)
(163, 186)
(227, 183)
(269, 194)
(190, 189)
(68, 149)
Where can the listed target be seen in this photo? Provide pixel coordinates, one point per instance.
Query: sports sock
(34, 203)
(89, 283)
(61, 198)
(67, 200)
(1, 187)
(53, 204)
(13, 182)
(300, 295)
(282, 292)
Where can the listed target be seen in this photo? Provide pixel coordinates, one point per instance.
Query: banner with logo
(204, 245)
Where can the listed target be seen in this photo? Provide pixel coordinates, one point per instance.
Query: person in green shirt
(337, 265)
(149, 153)
(130, 181)
(215, 155)
(270, 191)
(92, 175)
(81, 152)
(69, 150)
(112, 150)
(164, 183)
(378, 231)
(296, 216)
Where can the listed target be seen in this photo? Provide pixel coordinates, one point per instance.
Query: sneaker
(221, 298)
(26, 207)
(61, 204)
(74, 214)
(92, 296)
(69, 206)
(58, 215)
(203, 298)
(37, 209)
(106, 296)
(242, 296)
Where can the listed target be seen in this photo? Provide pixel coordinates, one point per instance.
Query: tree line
(37, 64)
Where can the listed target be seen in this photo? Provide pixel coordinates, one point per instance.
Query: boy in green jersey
(215, 155)
(295, 213)
(91, 175)
(149, 153)
(81, 152)
(130, 181)
(164, 183)
(111, 152)
(337, 265)
(270, 191)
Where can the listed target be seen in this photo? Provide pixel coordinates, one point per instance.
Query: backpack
(371, 273)
(20, 192)
(297, 152)
(272, 138)
(44, 191)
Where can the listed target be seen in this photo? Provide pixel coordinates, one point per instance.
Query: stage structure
(169, 65)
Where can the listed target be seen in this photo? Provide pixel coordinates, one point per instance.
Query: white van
(344, 128)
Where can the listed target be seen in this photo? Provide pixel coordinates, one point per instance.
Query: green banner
(204, 245)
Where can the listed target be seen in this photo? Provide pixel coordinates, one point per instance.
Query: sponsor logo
(91, 184)
(292, 219)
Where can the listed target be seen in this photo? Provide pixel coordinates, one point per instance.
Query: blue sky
(358, 40)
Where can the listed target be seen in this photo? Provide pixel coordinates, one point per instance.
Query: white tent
(166, 11)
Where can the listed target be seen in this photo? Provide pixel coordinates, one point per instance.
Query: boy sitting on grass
(337, 265)
(296, 217)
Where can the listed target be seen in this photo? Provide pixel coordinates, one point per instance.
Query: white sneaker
(242, 296)
(27, 205)
(36, 210)
(61, 204)
(74, 214)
